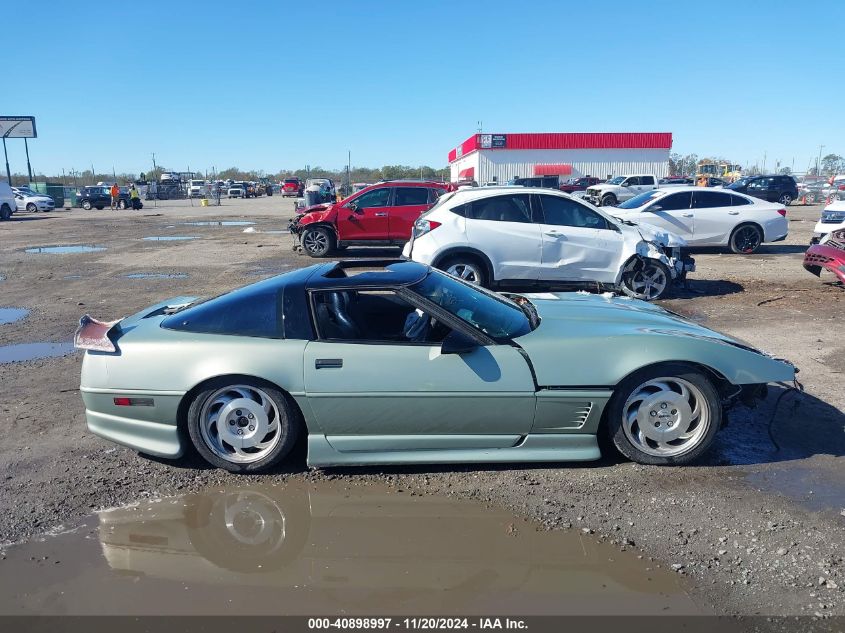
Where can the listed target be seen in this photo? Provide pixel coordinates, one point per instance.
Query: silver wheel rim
(86, 205)
(666, 417)
(240, 424)
(467, 272)
(315, 241)
(649, 282)
(31, 208)
(786, 199)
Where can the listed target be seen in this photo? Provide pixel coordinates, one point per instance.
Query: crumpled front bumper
(824, 256)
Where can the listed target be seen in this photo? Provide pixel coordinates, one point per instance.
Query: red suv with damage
(380, 215)
(292, 187)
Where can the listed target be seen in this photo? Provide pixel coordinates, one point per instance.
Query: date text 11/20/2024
(415, 624)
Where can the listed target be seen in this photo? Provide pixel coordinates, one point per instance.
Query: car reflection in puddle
(327, 549)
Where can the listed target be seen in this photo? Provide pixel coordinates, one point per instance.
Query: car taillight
(421, 227)
(782, 212)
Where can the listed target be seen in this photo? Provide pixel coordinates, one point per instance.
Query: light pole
(819, 161)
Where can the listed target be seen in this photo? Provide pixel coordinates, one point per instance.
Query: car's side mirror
(458, 343)
(654, 208)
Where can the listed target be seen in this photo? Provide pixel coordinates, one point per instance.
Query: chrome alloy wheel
(240, 424)
(466, 271)
(315, 242)
(666, 417)
(649, 282)
(252, 519)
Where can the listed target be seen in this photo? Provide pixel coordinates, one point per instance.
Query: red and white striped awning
(467, 174)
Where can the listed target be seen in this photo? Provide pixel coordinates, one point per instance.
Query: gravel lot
(756, 529)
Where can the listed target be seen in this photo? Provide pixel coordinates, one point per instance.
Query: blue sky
(272, 85)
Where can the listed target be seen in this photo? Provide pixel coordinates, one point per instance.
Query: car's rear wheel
(242, 425)
(467, 268)
(31, 208)
(86, 204)
(608, 201)
(649, 282)
(746, 239)
(785, 199)
(318, 241)
(5, 212)
(668, 414)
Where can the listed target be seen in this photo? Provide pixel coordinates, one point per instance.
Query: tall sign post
(17, 127)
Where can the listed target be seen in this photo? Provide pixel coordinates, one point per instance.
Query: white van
(7, 201)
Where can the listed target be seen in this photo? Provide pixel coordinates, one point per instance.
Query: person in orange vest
(115, 195)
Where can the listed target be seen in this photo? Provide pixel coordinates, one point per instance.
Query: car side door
(371, 387)
(366, 216)
(758, 188)
(408, 204)
(673, 213)
(647, 183)
(579, 244)
(714, 217)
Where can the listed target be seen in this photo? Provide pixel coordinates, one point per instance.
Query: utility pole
(8, 171)
(154, 164)
(28, 167)
(819, 161)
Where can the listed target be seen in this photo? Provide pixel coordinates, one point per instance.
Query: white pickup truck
(620, 189)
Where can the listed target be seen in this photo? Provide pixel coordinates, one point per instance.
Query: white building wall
(504, 164)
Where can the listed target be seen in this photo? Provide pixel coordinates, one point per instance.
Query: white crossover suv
(709, 217)
(498, 236)
(833, 219)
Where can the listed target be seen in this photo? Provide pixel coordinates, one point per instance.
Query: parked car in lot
(28, 200)
(197, 189)
(827, 254)
(99, 197)
(780, 189)
(237, 190)
(8, 204)
(495, 236)
(394, 362)
(832, 219)
(619, 189)
(708, 217)
(676, 180)
(380, 215)
(579, 184)
(292, 187)
(546, 182)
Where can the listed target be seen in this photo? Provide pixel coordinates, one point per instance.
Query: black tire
(288, 425)
(651, 269)
(785, 199)
(318, 241)
(746, 239)
(32, 208)
(5, 212)
(121, 204)
(466, 267)
(86, 204)
(608, 201)
(615, 414)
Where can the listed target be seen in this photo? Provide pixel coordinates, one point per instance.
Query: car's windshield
(494, 315)
(640, 200)
(616, 181)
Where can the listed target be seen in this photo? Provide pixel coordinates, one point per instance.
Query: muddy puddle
(61, 250)
(10, 315)
(156, 276)
(33, 351)
(219, 223)
(817, 489)
(170, 238)
(330, 549)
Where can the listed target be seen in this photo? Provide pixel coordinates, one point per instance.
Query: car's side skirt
(530, 448)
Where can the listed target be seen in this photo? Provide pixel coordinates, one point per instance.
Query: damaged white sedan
(507, 236)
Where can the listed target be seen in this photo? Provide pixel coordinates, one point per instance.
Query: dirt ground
(757, 528)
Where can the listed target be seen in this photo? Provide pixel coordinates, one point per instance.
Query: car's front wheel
(746, 239)
(318, 241)
(86, 204)
(466, 268)
(608, 201)
(243, 426)
(649, 282)
(664, 415)
(32, 208)
(785, 199)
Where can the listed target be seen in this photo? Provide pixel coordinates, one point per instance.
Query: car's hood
(649, 232)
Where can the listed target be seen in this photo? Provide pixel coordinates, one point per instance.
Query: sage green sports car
(393, 362)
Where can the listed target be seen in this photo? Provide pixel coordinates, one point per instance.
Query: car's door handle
(554, 233)
(381, 215)
(328, 363)
(687, 215)
(733, 212)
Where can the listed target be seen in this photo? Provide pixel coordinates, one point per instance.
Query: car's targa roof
(363, 273)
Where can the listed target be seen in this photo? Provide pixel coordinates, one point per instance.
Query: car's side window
(646, 180)
(561, 211)
(710, 199)
(508, 208)
(434, 194)
(373, 316)
(374, 198)
(630, 182)
(410, 196)
(760, 183)
(675, 202)
(738, 201)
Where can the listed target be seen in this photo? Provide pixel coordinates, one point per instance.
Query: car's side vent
(581, 414)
